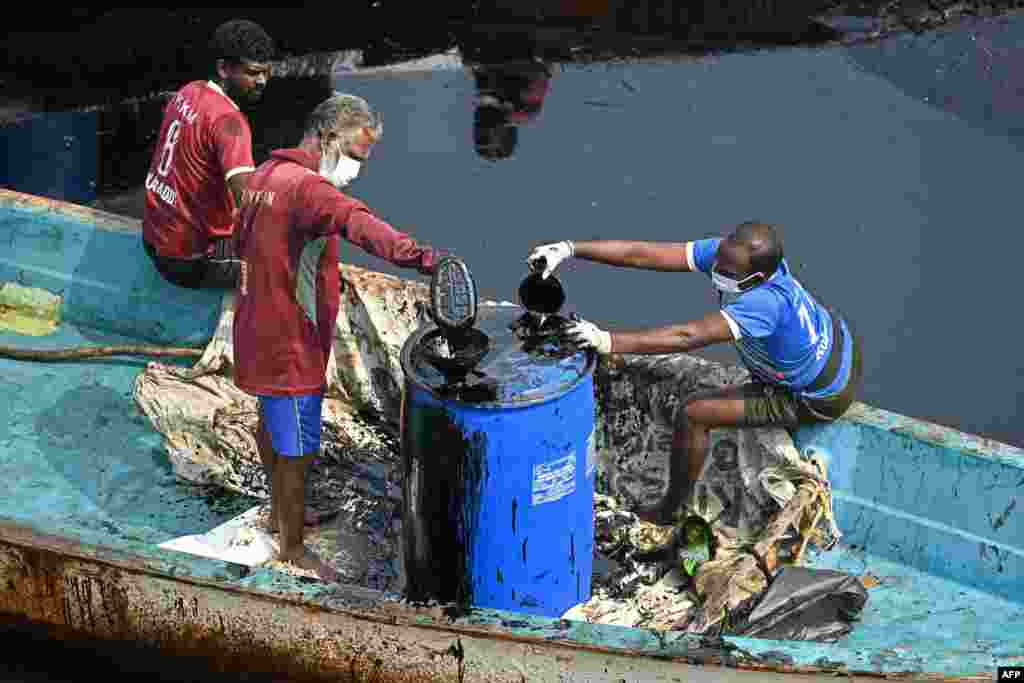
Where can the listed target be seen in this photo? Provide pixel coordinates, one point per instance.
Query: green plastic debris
(695, 549)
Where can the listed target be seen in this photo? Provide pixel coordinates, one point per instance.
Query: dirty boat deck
(88, 495)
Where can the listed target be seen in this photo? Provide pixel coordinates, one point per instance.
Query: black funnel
(455, 355)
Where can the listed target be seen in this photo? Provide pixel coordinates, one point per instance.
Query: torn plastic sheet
(239, 540)
(765, 502)
(764, 505)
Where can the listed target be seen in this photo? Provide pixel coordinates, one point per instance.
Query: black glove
(223, 265)
(223, 249)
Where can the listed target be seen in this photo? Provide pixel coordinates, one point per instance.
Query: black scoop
(541, 296)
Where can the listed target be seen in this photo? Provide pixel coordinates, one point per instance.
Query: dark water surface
(891, 168)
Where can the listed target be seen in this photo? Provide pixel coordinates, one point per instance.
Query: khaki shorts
(772, 405)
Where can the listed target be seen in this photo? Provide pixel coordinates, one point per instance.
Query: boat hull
(87, 582)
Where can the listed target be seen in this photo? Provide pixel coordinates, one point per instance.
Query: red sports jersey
(289, 291)
(532, 99)
(204, 140)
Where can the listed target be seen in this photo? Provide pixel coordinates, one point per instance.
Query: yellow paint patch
(870, 581)
(28, 311)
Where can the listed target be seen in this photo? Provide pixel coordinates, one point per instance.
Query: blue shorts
(293, 423)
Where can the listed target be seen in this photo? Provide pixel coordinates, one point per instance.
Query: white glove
(549, 256)
(589, 336)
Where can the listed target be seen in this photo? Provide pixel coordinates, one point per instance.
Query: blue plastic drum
(499, 474)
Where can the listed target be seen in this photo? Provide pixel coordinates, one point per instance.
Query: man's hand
(548, 256)
(439, 255)
(587, 335)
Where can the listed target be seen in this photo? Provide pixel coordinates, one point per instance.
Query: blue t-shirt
(783, 335)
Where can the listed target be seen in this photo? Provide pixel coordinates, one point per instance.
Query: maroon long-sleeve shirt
(291, 222)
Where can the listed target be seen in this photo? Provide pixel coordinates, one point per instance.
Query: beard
(241, 95)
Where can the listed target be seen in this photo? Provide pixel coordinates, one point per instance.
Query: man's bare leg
(690, 441)
(290, 481)
(266, 449)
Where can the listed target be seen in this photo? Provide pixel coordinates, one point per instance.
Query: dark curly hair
(764, 245)
(241, 39)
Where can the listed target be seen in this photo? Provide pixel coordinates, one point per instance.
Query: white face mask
(344, 171)
(724, 284)
(730, 286)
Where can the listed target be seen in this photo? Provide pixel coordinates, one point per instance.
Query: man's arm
(661, 256)
(380, 239)
(325, 211)
(712, 329)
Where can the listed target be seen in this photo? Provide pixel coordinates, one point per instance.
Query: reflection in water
(508, 96)
(512, 77)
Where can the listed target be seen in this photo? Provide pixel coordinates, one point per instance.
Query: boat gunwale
(935, 434)
(93, 217)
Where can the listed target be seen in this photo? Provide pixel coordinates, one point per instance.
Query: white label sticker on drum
(554, 480)
(591, 455)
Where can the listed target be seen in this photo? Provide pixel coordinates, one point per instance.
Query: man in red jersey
(292, 218)
(509, 95)
(202, 158)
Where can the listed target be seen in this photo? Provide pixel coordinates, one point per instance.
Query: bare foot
(309, 561)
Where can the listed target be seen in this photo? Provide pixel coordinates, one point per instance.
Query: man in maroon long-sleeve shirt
(291, 221)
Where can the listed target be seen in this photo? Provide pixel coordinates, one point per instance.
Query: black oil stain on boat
(992, 555)
(999, 520)
(529, 601)
(445, 469)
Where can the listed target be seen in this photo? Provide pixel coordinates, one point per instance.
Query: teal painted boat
(88, 497)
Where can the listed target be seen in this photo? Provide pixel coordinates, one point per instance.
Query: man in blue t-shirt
(804, 360)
